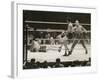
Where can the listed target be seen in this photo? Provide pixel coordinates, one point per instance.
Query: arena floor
(52, 53)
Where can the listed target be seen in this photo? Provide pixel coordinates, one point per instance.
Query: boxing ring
(52, 52)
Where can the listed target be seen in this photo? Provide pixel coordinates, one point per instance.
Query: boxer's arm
(84, 30)
(74, 29)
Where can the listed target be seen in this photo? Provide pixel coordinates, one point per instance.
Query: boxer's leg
(66, 49)
(83, 44)
(73, 45)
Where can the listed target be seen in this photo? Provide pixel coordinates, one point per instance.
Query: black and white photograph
(53, 39)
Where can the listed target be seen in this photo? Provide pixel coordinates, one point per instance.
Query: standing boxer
(63, 41)
(79, 31)
(68, 36)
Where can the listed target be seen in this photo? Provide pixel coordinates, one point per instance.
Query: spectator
(76, 63)
(89, 59)
(33, 64)
(27, 65)
(47, 36)
(38, 64)
(84, 63)
(67, 64)
(52, 41)
(58, 63)
(89, 62)
(45, 64)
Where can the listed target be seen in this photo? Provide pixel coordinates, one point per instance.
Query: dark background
(55, 17)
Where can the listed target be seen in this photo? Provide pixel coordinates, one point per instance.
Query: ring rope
(56, 48)
(45, 22)
(63, 39)
(52, 30)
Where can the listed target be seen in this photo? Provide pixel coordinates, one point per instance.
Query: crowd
(48, 38)
(58, 64)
